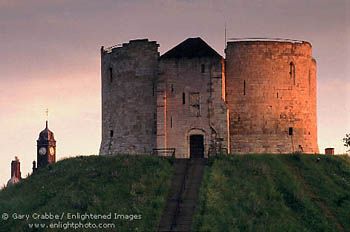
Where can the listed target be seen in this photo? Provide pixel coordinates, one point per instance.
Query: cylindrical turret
(128, 74)
(271, 94)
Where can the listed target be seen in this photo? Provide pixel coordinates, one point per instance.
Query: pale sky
(50, 58)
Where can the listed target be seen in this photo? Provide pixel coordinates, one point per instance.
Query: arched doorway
(196, 146)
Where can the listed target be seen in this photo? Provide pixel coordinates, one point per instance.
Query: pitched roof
(190, 48)
(46, 134)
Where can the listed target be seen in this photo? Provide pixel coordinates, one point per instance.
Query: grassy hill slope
(238, 193)
(130, 186)
(275, 193)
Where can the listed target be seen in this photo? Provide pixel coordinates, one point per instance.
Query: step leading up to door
(183, 195)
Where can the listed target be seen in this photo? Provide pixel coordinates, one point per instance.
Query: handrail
(215, 152)
(224, 150)
(267, 39)
(163, 151)
(179, 198)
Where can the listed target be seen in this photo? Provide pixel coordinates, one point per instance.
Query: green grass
(125, 185)
(274, 193)
(238, 193)
(329, 179)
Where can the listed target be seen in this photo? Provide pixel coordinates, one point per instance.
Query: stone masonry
(271, 94)
(128, 75)
(260, 99)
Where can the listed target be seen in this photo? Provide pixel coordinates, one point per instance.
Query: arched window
(292, 71)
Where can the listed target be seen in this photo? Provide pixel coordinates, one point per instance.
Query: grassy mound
(128, 193)
(275, 193)
(90, 194)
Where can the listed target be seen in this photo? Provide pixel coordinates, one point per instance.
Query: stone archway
(197, 143)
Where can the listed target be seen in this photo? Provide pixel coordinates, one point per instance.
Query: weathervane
(47, 117)
(47, 114)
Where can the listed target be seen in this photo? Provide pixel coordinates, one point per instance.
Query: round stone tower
(271, 96)
(128, 77)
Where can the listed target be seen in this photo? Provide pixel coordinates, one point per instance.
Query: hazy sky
(50, 58)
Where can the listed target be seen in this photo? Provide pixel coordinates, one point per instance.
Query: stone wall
(260, 99)
(128, 75)
(181, 85)
(271, 90)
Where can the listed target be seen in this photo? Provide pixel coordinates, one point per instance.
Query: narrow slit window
(309, 83)
(172, 88)
(171, 121)
(292, 71)
(111, 133)
(244, 88)
(203, 68)
(277, 94)
(290, 132)
(183, 99)
(155, 123)
(153, 89)
(110, 75)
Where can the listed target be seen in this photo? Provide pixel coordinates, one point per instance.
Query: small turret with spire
(46, 147)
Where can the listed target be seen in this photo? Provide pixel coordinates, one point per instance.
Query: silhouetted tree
(347, 141)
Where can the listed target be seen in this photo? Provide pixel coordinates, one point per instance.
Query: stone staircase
(183, 195)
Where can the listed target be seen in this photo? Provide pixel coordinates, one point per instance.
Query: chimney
(329, 151)
(15, 168)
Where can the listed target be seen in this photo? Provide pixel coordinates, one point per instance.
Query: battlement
(132, 43)
(268, 46)
(279, 40)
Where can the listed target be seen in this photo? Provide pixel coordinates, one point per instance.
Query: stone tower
(271, 94)
(128, 75)
(191, 112)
